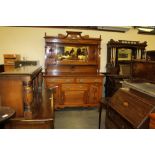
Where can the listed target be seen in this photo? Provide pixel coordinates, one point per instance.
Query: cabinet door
(74, 94)
(74, 98)
(57, 96)
(94, 94)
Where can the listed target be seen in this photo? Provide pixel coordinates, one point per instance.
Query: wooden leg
(100, 113)
(28, 99)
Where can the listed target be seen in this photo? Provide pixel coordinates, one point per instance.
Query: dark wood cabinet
(120, 57)
(143, 71)
(72, 65)
(150, 55)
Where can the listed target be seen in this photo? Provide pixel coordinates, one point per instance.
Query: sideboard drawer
(59, 80)
(89, 80)
(74, 87)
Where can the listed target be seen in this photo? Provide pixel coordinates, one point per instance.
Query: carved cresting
(73, 35)
(28, 99)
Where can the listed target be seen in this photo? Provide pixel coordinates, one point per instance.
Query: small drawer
(74, 87)
(59, 80)
(89, 80)
(9, 61)
(51, 85)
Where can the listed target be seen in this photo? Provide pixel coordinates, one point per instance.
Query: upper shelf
(72, 37)
(72, 48)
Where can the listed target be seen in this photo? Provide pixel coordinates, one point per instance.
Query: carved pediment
(73, 35)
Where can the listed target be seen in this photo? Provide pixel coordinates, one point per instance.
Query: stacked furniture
(72, 64)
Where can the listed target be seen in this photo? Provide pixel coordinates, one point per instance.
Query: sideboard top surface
(25, 70)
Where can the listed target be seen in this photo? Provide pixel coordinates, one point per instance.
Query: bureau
(129, 109)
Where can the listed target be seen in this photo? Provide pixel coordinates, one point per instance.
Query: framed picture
(124, 54)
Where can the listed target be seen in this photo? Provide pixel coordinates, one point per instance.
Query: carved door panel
(74, 94)
(77, 97)
(56, 96)
(93, 94)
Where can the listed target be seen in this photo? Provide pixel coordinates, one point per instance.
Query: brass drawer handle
(126, 104)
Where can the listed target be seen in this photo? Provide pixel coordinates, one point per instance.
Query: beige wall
(29, 42)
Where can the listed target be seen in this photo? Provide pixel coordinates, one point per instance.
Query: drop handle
(126, 104)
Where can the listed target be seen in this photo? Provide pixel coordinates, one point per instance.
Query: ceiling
(149, 30)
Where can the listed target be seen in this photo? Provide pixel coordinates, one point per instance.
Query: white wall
(29, 42)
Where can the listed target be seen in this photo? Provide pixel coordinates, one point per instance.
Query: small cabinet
(9, 61)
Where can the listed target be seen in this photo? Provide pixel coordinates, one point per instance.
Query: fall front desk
(131, 106)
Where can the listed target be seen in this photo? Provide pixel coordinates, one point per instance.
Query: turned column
(28, 99)
(40, 80)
